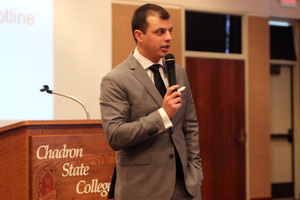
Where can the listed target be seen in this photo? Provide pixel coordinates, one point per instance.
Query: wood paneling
(259, 107)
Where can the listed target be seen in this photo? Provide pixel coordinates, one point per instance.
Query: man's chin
(163, 54)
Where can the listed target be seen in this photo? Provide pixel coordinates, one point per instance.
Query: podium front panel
(70, 167)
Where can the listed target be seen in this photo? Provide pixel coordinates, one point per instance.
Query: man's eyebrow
(160, 29)
(164, 29)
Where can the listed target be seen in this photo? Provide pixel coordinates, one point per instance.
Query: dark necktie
(159, 83)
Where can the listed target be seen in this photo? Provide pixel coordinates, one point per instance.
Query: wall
(83, 45)
(259, 107)
(276, 10)
(82, 54)
(251, 7)
(259, 7)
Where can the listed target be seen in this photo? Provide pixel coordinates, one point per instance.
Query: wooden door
(219, 93)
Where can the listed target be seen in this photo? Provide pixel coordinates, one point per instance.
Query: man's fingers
(171, 89)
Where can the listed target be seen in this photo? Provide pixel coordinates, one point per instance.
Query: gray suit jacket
(145, 162)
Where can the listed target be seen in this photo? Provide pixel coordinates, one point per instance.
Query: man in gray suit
(155, 135)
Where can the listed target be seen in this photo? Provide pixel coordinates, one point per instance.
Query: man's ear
(138, 35)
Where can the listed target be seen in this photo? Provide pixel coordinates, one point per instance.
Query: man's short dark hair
(140, 15)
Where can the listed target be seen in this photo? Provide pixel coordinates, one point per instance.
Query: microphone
(170, 62)
(46, 89)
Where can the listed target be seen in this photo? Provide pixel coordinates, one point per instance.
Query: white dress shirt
(146, 63)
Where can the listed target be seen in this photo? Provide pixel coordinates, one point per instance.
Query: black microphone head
(170, 60)
(46, 88)
(169, 56)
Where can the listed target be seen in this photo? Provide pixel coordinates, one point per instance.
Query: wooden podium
(55, 160)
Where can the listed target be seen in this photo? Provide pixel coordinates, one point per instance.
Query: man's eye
(160, 32)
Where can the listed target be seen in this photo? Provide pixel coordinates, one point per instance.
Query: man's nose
(168, 36)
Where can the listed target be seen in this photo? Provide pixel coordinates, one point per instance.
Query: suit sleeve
(121, 132)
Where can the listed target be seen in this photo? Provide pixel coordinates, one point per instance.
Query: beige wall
(251, 7)
(259, 107)
(277, 10)
(82, 54)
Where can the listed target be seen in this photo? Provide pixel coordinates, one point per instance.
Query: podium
(55, 160)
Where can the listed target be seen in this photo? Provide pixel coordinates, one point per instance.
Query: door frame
(296, 101)
(296, 121)
(285, 136)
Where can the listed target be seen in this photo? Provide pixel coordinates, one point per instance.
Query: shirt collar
(144, 61)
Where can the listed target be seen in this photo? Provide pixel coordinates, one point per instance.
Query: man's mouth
(166, 47)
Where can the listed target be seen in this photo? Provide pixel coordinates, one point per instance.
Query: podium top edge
(49, 122)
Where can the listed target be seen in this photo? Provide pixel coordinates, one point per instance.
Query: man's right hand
(172, 101)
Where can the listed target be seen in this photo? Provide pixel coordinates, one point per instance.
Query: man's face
(156, 42)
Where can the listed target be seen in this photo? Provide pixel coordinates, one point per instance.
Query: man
(155, 135)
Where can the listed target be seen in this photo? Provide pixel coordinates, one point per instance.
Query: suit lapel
(139, 72)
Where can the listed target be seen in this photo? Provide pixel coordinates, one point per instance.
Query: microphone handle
(172, 77)
(75, 99)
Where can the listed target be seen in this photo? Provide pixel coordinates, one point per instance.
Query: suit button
(171, 156)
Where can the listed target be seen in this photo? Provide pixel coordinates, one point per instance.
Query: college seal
(47, 182)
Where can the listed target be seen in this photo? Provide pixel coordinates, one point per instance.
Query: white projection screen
(26, 59)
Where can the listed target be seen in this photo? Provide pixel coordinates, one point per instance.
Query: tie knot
(155, 67)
